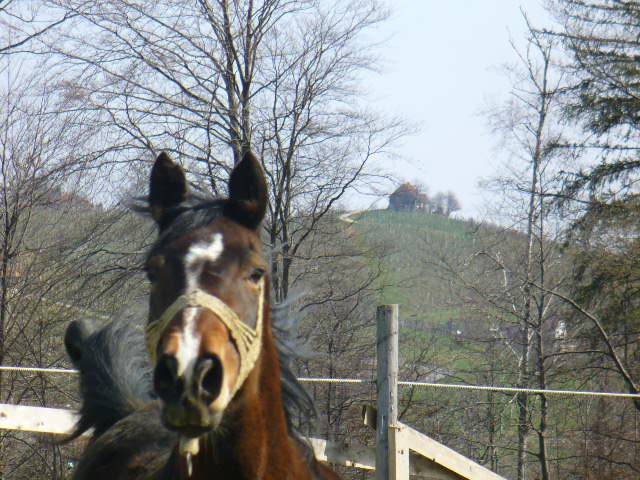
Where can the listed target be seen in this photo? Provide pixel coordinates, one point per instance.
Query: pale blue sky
(441, 70)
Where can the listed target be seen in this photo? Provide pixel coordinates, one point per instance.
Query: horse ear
(167, 188)
(74, 340)
(247, 202)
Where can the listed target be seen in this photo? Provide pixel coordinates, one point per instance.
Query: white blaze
(203, 252)
(194, 260)
(189, 342)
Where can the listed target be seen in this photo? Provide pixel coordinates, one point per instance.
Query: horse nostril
(165, 379)
(209, 377)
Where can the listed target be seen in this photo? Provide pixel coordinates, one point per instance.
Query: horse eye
(256, 275)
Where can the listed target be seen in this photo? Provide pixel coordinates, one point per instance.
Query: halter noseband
(248, 341)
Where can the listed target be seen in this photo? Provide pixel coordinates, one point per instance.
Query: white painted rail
(61, 422)
(37, 419)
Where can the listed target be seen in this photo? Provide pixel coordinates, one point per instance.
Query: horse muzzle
(195, 404)
(196, 392)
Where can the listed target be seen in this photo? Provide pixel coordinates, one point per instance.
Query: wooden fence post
(387, 389)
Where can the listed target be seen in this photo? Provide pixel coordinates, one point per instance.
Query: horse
(213, 395)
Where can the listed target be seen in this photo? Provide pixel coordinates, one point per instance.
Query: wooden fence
(400, 451)
(394, 440)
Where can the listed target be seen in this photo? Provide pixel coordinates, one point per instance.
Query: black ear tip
(247, 176)
(163, 157)
(165, 163)
(248, 195)
(249, 165)
(249, 156)
(167, 188)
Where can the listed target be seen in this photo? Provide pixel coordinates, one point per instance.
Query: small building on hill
(407, 198)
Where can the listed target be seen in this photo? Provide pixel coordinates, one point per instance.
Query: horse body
(215, 409)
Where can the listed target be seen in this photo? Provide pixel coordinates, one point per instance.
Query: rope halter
(248, 340)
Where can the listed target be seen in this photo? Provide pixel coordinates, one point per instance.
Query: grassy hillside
(446, 337)
(413, 244)
(438, 328)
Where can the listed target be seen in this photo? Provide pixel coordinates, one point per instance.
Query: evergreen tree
(602, 40)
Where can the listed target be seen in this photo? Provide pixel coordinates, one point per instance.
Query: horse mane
(115, 375)
(196, 211)
(297, 402)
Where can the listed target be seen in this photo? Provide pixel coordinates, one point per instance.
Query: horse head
(209, 295)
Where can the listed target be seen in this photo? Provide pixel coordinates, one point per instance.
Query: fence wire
(491, 388)
(401, 383)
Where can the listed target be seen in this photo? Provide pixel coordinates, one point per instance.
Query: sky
(441, 70)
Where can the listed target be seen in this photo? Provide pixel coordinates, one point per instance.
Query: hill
(459, 324)
(415, 244)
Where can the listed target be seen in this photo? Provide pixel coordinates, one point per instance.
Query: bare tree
(55, 238)
(23, 24)
(601, 41)
(36, 157)
(496, 279)
(445, 203)
(452, 202)
(209, 78)
(529, 124)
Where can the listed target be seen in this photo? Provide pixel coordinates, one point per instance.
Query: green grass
(415, 221)
(411, 243)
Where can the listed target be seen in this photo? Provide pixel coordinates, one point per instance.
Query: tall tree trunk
(533, 214)
(492, 425)
(543, 455)
(7, 235)
(286, 270)
(523, 404)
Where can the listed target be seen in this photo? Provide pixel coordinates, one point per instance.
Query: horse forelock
(188, 217)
